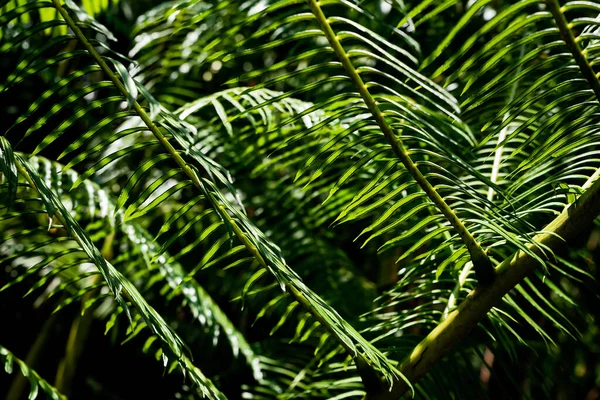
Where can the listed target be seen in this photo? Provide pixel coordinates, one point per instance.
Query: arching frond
(165, 127)
(84, 251)
(378, 178)
(11, 363)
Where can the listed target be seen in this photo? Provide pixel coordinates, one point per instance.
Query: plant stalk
(478, 303)
(484, 268)
(298, 296)
(572, 43)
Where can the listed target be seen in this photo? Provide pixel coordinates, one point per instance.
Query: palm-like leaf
(266, 254)
(507, 223)
(122, 289)
(447, 163)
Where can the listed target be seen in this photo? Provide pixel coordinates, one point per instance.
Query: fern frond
(118, 285)
(168, 128)
(36, 382)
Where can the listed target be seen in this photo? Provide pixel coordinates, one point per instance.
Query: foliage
(309, 193)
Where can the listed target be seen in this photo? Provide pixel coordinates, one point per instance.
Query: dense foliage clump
(282, 199)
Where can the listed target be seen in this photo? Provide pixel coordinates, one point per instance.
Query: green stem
(483, 266)
(572, 43)
(480, 301)
(298, 296)
(74, 346)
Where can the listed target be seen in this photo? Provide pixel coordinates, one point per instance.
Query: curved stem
(572, 43)
(296, 294)
(480, 301)
(483, 266)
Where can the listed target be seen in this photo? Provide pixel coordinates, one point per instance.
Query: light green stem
(462, 278)
(298, 296)
(483, 266)
(480, 301)
(572, 44)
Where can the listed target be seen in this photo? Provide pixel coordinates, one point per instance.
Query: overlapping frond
(503, 227)
(77, 249)
(540, 143)
(512, 220)
(498, 227)
(136, 250)
(357, 136)
(446, 162)
(123, 90)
